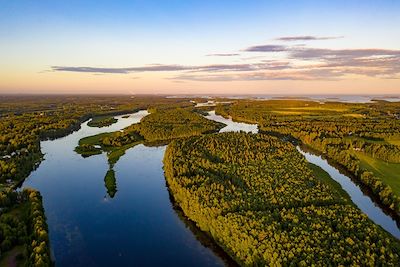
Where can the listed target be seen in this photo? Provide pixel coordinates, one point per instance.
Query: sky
(200, 47)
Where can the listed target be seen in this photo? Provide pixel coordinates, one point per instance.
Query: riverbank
(256, 197)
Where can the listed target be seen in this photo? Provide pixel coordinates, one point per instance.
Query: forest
(161, 126)
(254, 194)
(23, 228)
(102, 121)
(344, 132)
(24, 122)
(257, 197)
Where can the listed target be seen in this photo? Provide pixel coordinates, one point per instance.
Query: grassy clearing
(324, 177)
(354, 115)
(94, 139)
(319, 108)
(284, 112)
(394, 142)
(366, 140)
(87, 148)
(388, 172)
(114, 153)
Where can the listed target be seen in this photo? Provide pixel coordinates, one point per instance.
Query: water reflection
(365, 203)
(232, 126)
(110, 183)
(137, 227)
(361, 200)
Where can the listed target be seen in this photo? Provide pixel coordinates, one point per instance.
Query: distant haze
(200, 47)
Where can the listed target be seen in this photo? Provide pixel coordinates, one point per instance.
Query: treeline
(25, 120)
(23, 223)
(334, 134)
(256, 196)
(383, 151)
(162, 125)
(168, 124)
(118, 139)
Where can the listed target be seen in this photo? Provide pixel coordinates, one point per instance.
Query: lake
(138, 227)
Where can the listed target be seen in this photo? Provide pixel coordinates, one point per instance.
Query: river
(364, 202)
(139, 226)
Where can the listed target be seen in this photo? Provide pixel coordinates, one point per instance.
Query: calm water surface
(138, 227)
(362, 201)
(232, 126)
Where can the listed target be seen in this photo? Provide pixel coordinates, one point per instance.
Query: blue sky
(36, 36)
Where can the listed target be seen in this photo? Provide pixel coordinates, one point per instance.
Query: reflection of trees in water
(202, 237)
(110, 183)
(364, 189)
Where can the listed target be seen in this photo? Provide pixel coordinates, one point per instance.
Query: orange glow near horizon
(213, 48)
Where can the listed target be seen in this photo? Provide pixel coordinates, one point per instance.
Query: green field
(388, 172)
(394, 141)
(113, 152)
(94, 139)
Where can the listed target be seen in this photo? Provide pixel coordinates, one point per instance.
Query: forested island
(162, 125)
(24, 122)
(254, 194)
(363, 138)
(257, 197)
(159, 127)
(102, 121)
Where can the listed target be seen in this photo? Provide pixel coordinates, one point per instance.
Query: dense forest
(24, 121)
(168, 124)
(342, 131)
(161, 126)
(23, 228)
(257, 197)
(102, 121)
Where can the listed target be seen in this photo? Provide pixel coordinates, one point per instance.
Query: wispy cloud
(223, 55)
(169, 68)
(318, 53)
(296, 62)
(306, 38)
(314, 74)
(368, 62)
(121, 70)
(266, 48)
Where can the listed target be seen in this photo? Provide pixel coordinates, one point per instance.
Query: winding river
(139, 226)
(364, 202)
